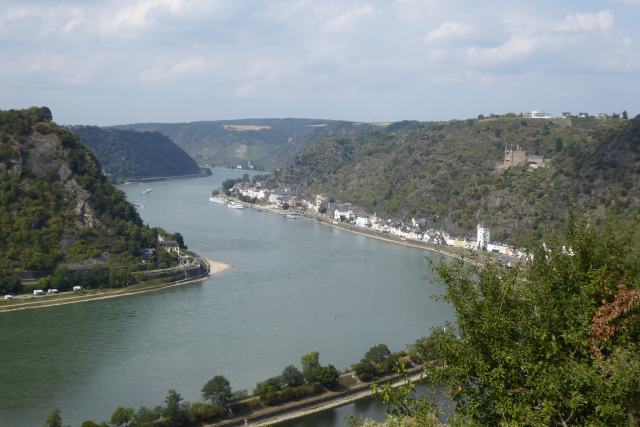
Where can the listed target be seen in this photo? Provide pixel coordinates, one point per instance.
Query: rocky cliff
(56, 206)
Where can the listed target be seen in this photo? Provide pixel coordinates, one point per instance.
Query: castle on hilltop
(516, 156)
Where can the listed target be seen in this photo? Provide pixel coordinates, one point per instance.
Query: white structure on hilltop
(536, 115)
(483, 236)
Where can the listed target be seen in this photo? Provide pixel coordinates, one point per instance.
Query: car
(8, 297)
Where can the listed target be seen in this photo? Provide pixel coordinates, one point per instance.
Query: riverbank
(328, 400)
(334, 403)
(164, 178)
(212, 267)
(216, 267)
(456, 253)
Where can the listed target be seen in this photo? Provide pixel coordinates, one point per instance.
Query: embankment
(209, 267)
(328, 400)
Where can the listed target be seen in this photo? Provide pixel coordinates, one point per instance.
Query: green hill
(132, 154)
(266, 144)
(446, 172)
(56, 207)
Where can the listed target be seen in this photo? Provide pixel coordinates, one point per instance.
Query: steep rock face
(55, 204)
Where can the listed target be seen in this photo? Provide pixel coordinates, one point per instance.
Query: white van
(38, 292)
(52, 291)
(77, 288)
(8, 297)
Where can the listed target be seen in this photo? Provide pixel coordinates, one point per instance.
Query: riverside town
(324, 208)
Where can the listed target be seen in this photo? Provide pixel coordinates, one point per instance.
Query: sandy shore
(217, 266)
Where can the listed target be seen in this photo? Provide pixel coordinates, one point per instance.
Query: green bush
(201, 411)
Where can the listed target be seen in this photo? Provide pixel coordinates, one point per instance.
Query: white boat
(138, 205)
(219, 200)
(291, 216)
(148, 190)
(235, 205)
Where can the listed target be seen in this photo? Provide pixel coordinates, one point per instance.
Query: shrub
(205, 411)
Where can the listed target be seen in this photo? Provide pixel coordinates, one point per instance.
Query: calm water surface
(297, 286)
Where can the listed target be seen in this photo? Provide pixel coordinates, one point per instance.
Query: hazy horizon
(121, 62)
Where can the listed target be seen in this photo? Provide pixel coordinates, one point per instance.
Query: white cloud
(296, 57)
(260, 75)
(189, 67)
(448, 30)
(345, 19)
(515, 48)
(599, 21)
(141, 14)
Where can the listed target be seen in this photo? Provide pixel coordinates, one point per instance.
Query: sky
(124, 61)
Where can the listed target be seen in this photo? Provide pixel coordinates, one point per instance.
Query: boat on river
(148, 190)
(235, 205)
(219, 200)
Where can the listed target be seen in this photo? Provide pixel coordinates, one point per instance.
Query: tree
(269, 385)
(365, 370)
(90, 423)
(10, 284)
(285, 206)
(625, 115)
(311, 368)
(245, 178)
(180, 240)
(329, 376)
(174, 409)
(559, 144)
(553, 344)
(291, 377)
(54, 419)
(217, 390)
(145, 416)
(123, 417)
(378, 353)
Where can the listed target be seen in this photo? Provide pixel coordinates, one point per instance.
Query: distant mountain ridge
(446, 173)
(133, 154)
(265, 144)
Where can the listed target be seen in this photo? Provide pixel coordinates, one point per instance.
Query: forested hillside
(446, 172)
(131, 154)
(56, 207)
(264, 143)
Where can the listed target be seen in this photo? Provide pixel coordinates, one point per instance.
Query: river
(296, 286)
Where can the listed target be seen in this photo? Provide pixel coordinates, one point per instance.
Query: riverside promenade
(325, 401)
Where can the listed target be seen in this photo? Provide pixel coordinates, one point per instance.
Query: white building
(536, 115)
(346, 214)
(275, 197)
(499, 248)
(483, 236)
(363, 221)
